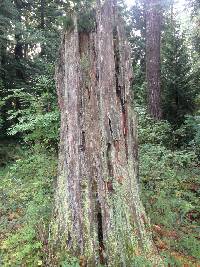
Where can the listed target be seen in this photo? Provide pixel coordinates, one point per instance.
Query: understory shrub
(170, 188)
(34, 112)
(26, 193)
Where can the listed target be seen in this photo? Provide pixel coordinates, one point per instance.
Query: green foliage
(27, 47)
(37, 114)
(137, 29)
(153, 133)
(188, 135)
(69, 263)
(67, 22)
(7, 16)
(170, 185)
(26, 196)
(195, 17)
(9, 152)
(85, 14)
(86, 21)
(179, 91)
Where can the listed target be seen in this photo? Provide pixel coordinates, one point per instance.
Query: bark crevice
(100, 233)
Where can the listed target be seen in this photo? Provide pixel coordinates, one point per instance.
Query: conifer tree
(177, 81)
(137, 37)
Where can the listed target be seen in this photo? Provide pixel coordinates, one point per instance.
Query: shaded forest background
(169, 146)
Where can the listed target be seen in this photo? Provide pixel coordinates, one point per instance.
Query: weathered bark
(153, 31)
(98, 212)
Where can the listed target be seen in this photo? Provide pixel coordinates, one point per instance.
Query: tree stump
(99, 215)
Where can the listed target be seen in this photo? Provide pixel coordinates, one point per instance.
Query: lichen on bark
(98, 212)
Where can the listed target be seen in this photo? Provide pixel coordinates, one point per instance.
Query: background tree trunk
(153, 31)
(19, 45)
(42, 14)
(99, 214)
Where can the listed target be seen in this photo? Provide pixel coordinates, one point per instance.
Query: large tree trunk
(153, 31)
(99, 214)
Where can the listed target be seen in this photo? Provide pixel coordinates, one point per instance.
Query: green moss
(86, 21)
(68, 23)
(85, 63)
(88, 244)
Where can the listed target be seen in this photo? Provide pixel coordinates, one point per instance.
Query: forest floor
(25, 200)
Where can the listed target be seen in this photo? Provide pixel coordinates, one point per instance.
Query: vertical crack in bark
(99, 221)
(110, 126)
(120, 90)
(82, 146)
(109, 184)
(125, 129)
(100, 232)
(109, 160)
(110, 167)
(117, 60)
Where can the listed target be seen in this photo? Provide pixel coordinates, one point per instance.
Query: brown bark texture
(153, 32)
(98, 212)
